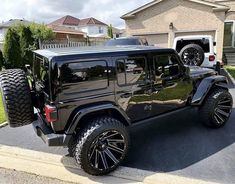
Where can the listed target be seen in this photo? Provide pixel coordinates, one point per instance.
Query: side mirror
(214, 43)
(28, 69)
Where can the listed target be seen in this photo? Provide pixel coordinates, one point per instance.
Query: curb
(231, 77)
(3, 124)
(65, 169)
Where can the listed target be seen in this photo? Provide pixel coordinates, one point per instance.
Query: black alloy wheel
(192, 54)
(216, 108)
(101, 145)
(223, 110)
(107, 150)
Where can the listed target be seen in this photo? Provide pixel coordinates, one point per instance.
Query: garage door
(160, 40)
(212, 33)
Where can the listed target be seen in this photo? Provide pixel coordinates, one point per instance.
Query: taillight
(211, 58)
(51, 113)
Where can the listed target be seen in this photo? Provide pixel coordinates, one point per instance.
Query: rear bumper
(48, 136)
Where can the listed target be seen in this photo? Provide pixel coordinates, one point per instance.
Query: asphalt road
(177, 144)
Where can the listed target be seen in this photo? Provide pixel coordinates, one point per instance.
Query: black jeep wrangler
(85, 98)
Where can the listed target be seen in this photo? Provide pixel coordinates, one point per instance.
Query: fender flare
(205, 87)
(84, 111)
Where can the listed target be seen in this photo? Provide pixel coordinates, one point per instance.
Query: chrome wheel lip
(107, 152)
(223, 110)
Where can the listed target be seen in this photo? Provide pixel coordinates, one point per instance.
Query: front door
(171, 89)
(133, 88)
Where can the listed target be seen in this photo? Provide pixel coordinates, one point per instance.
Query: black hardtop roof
(100, 51)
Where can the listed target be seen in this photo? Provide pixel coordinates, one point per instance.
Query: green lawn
(2, 113)
(231, 70)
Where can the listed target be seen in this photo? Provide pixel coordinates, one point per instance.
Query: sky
(46, 11)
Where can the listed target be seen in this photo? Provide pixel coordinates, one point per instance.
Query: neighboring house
(160, 21)
(118, 32)
(67, 33)
(4, 26)
(91, 26)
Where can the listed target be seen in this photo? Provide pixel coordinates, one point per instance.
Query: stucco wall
(230, 15)
(185, 16)
(93, 30)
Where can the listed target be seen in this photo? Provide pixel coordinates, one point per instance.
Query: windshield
(203, 43)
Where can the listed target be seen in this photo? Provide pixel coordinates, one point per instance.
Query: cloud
(108, 11)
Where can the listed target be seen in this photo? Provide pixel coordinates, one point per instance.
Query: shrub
(110, 31)
(26, 45)
(11, 49)
(21, 40)
(1, 60)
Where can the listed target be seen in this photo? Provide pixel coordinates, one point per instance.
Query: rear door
(170, 88)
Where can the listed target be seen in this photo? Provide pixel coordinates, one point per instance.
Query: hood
(197, 72)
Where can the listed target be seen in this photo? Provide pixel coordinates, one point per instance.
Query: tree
(1, 60)
(21, 40)
(40, 33)
(110, 31)
(26, 45)
(11, 49)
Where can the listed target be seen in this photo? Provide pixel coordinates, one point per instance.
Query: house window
(101, 30)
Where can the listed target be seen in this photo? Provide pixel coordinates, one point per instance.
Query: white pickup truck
(196, 50)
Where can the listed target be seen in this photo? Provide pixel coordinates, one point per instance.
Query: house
(91, 26)
(66, 33)
(160, 21)
(118, 32)
(4, 26)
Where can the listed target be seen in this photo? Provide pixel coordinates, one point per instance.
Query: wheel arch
(206, 85)
(82, 115)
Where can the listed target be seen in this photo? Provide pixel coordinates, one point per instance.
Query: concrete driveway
(178, 144)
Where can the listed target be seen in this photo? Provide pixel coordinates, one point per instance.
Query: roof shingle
(66, 20)
(73, 21)
(90, 21)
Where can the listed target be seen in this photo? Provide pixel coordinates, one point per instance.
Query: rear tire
(101, 146)
(217, 108)
(16, 97)
(192, 54)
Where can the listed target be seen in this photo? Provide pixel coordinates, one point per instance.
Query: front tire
(101, 146)
(217, 108)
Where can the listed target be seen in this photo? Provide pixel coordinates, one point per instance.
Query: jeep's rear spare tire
(192, 54)
(16, 97)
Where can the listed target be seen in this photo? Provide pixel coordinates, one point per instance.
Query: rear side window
(40, 72)
(89, 75)
(203, 43)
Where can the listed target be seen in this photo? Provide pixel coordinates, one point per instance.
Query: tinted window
(204, 43)
(166, 66)
(40, 71)
(88, 75)
(115, 42)
(131, 70)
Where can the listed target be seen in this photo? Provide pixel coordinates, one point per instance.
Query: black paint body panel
(147, 97)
